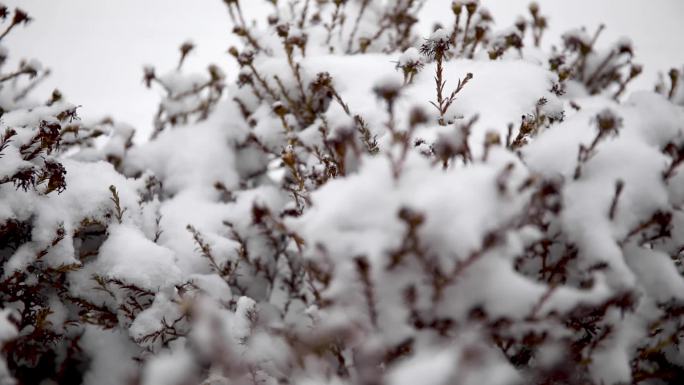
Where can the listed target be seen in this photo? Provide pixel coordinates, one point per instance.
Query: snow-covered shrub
(46, 231)
(365, 206)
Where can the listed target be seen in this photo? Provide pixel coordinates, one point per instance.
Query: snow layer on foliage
(107, 349)
(633, 157)
(199, 210)
(429, 368)
(127, 253)
(446, 366)
(150, 320)
(500, 92)
(174, 368)
(463, 203)
(88, 198)
(177, 155)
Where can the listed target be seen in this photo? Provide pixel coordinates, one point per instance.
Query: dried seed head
(55, 97)
(244, 78)
(674, 75)
(411, 217)
(457, 7)
(283, 30)
(521, 24)
(471, 6)
(388, 88)
(30, 68)
(245, 58)
(298, 40)
(280, 109)
(323, 81)
(485, 16)
(186, 47)
(608, 123)
(534, 8)
(624, 46)
(417, 116)
(479, 32)
(436, 45)
(20, 17)
(410, 63)
(148, 75)
(541, 22)
(239, 31)
(364, 43)
(215, 73)
(289, 158)
(492, 138)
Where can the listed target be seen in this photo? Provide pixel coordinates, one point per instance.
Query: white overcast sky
(97, 48)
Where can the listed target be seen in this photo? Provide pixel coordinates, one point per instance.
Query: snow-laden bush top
(361, 206)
